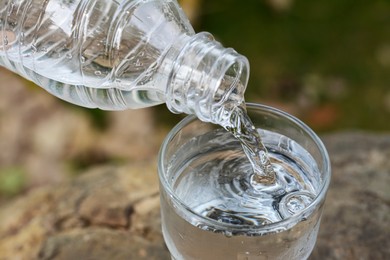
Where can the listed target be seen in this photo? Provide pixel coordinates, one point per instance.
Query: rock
(100, 243)
(112, 212)
(355, 223)
(94, 215)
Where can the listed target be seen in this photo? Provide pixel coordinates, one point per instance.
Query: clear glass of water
(210, 209)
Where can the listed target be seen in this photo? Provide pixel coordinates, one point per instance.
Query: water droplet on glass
(228, 233)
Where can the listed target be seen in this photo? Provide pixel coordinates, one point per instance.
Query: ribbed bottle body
(94, 53)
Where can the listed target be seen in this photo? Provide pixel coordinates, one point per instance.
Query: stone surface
(356, 220)
(112, 212)
(107, 213)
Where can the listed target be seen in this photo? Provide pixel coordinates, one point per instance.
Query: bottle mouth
(207, 80)
(231, 87)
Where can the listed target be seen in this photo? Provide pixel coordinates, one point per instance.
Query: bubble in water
(69, 55)
(295, 202)
(235, 217)
(98, 73)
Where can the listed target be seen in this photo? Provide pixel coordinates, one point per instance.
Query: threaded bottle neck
(206, 79)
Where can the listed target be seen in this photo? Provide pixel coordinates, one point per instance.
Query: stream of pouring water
(241, 126)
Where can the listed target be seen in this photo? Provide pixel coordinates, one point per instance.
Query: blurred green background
(325, 61)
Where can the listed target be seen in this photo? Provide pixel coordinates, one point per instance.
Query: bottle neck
(205, 78)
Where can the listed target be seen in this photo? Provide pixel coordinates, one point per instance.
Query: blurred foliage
(330, 59)
(12, 181)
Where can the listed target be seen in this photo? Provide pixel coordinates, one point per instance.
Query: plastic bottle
(121, 54)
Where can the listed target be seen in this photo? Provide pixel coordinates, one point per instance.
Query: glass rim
(267, 228)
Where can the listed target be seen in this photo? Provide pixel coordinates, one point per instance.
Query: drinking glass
(189, 234)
